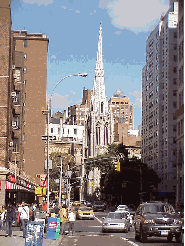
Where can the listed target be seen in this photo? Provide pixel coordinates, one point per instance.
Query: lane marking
(128, 241)
(98, 219)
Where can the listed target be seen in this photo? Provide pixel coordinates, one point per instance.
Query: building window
(25, 57)
(175, 46)
(51, 130)
(25, 70)
(75, 131)
(25, 43)
(174, 104)
(175, 58)
(175, 34)
(175, 81)
(58, 130)
(174, 69)
(174, 93)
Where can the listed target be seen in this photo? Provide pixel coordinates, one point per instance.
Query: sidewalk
(17, 239)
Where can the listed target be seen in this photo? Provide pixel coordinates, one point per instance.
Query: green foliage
(54, 173)
(133, 177)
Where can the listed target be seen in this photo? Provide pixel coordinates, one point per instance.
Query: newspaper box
(53, 228)
(34, 234)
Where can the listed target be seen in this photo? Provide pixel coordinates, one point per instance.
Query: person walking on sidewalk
(63, 219)
(72, 219)
(24, 217)
(9, 218)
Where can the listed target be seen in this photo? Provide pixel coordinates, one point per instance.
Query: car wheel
(136, 236)
(178, 238)
(169, 238)
(143, 236)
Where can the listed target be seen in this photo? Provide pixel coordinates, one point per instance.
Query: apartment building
(122, 108)
(180, 106)
(34, 48)
(78, 113)
(159, 101)
(23, 93)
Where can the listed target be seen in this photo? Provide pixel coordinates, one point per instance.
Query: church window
(98, 135)
(101, 107)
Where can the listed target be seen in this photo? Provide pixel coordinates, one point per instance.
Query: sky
(73, 27)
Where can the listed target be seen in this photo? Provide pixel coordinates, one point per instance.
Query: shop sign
(52, 225)
(11, 179)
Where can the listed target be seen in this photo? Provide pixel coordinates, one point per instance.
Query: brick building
(23, 93)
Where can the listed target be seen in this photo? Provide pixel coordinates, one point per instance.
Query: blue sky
(72, 27)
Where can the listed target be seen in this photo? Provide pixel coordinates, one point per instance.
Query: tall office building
(159, 101)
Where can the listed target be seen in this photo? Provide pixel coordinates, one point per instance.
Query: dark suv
(157, 219)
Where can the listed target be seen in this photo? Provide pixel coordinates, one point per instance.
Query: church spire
(99, 61)
(100, 104)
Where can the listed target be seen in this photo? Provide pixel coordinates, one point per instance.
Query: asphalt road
(88, 233)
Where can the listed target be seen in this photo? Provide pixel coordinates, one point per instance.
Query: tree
(67, 159)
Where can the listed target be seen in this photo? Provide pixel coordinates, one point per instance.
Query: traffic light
(117, 166)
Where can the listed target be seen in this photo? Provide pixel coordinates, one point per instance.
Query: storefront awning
(12, 186)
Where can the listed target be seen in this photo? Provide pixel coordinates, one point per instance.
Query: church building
(100, 126)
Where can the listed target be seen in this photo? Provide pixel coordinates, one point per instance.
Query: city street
(88, 232)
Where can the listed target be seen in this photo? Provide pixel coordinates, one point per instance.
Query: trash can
(34, 234)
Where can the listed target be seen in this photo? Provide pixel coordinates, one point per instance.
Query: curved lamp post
(48, 120)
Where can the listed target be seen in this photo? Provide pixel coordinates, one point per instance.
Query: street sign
(44, 137)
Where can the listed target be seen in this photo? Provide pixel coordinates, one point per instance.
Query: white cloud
(118, 32)
(64, 7)
(53, 57)
(77, 11)
(59, 101)
(138, 96)
(73, 92)
(39, 2)
(134, 15)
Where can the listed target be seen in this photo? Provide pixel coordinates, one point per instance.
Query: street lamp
(48, 120)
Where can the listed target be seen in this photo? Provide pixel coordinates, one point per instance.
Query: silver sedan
(115, 222)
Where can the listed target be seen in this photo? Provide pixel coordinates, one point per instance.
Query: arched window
(102, 107)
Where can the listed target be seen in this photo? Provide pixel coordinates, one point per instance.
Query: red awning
(12, 186)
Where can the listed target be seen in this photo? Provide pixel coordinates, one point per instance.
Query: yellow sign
(117, 166)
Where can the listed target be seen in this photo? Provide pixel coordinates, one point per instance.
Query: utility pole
(60, 188)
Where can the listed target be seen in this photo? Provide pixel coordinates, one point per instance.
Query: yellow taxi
(85, 212)
(76, 203)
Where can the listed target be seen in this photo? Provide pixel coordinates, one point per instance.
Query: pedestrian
(72, 219)
(24, 217)
(63, 219)
(9, 218)
(44, 207)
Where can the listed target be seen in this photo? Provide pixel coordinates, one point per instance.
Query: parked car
(99, 206)
(85, 212)
(122, 207)
(157, 219)
(116, 221)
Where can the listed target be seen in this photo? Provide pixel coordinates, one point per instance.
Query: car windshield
(157, 208)
(84, 209)
(98, 203)
(116, 216)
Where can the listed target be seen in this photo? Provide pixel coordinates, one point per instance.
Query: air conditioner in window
(13, 94)
(11, 144)
(15, 99)
(14, 124)
(13, 66)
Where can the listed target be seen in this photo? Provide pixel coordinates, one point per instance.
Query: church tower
(100, 122)
(99, 99)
